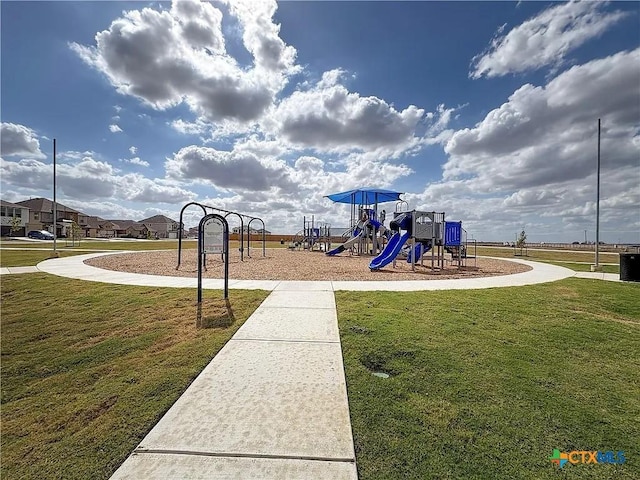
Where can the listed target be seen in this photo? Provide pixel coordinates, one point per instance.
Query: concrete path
(74, 267)
(14, 270)
(271, 404)
(611, 277)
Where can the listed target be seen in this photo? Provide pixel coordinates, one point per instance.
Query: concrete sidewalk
(17, 270)
(271, 405)
(74, 267)
(611, 277)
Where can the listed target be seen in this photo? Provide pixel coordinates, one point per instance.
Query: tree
(15, 224)
(522, 239)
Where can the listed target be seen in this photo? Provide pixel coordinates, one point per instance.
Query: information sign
(213, 231)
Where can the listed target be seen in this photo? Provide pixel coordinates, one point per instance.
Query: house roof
(158, 219)
(123, 224)
(12, 205)
(94, 222)
(139, 226)
(45, 205)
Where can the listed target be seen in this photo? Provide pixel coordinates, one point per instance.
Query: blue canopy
(365, 196)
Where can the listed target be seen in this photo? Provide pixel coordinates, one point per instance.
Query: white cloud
(330, 118)
(137, 161)
(137, 188)
(19, 140)
(115, 129)
(133, 150)
(179, 55)
(546, 134)
(261, 36)
(199, 127)
(532, 161)
(226, 170)
(90, 179)
(545, 39)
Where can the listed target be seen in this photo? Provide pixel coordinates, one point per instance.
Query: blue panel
(452, 233)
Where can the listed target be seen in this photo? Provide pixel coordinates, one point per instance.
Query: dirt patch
(281, 264)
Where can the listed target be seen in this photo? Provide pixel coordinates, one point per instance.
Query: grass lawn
(543, 255)
(22, 258)
(486, 383)
(89, 368)
(583, 267)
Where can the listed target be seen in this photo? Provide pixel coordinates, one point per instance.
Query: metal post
(598, 203)
(225, 249)
(200, 248)
(55, 206)
(413, 253)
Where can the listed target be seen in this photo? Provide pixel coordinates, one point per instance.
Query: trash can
(281, 242)
(630, 267)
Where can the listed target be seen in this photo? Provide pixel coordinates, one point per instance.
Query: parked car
(40, 235)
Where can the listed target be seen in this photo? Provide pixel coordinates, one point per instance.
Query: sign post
(213, 237)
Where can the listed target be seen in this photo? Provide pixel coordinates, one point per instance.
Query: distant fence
(274, 237)
(565, 246)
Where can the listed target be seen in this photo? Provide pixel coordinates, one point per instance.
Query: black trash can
(630, 267)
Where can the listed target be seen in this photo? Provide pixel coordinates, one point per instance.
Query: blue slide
(418, 251)
(357, 233)
(390, 251)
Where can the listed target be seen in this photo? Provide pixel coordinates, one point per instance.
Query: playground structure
(424, 232)
(313, 236)
(226, 213)
(415, 232)
(367, 233)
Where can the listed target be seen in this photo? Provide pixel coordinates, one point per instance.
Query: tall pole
(598, 203)
(55, 206)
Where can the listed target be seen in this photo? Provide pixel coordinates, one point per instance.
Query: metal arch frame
(227, 212)
(241, 230)
(264, 237)
(181, 225)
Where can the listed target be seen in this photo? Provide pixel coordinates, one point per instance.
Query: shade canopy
(365, 196)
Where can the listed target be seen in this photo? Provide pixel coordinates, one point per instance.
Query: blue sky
(484, 110)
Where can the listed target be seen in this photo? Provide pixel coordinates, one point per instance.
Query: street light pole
(55, 206)
(598, 205)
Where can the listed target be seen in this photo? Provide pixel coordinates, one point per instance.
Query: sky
(487, 111)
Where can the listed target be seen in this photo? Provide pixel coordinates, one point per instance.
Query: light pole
(597, 265)
(55, 206)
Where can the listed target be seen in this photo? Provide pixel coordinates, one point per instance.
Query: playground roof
(365, 196)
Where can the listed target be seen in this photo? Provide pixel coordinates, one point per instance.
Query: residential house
(41, 214)
(108, 229)
(139, 230)
(91, 225)
(13, 215)
(163, 226)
